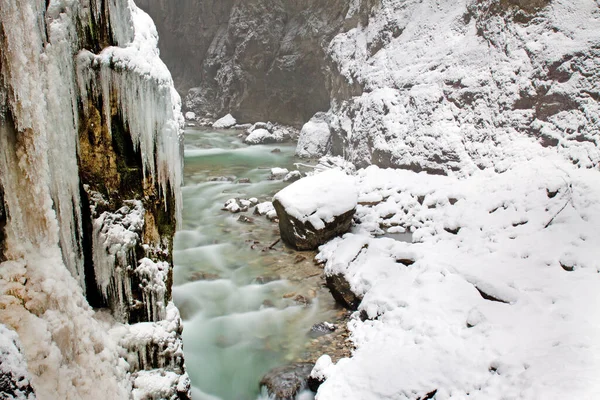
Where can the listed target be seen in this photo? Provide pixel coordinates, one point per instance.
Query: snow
(226, 122)
(13, 367)
(319, 198)
(190, 116)
(488, 309)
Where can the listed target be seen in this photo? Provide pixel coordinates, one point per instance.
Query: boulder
(315, 137)
(226, 122)
(284, 383)
(341, 292)
(316, 208)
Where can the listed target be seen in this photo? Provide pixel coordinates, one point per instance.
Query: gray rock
(303, 236)
(342, 293)
(284, 383)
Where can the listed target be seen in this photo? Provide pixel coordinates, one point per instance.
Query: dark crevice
(429, 395)
(489, 297)
(92, 293)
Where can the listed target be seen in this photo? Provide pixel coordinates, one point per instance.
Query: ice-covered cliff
(90, 169)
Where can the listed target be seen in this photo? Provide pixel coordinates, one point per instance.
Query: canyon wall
(90, 170)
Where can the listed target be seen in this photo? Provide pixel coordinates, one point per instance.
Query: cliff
(90, 169)
(258, 59)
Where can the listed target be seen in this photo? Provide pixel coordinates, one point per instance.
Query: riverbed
(247, 301)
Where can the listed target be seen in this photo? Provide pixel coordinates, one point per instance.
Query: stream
(241, 295)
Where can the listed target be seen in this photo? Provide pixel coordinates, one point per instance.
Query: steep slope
(89, 176)
(448, 86)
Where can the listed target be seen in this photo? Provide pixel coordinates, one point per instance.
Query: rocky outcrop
(315, 209)
(257, 59)
(444, 96)
(90, 169)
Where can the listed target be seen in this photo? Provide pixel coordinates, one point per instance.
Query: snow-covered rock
(190, 116)
(278, 173)
(225, 122)
(315, 137)
(316, 208)
(292, 176)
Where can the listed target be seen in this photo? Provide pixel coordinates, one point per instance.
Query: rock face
(441, 86)
(284, 383)
(258, 59)
(314, 209)
(90, 169)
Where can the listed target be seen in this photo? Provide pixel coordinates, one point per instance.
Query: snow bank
(319, 198)
(495, 298)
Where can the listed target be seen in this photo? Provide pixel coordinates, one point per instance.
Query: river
(241, 297)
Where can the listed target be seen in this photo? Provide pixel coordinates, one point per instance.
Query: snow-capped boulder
(278, 173)
(226, 122)
(315, 209)
(260, 136)
(190, 116)
(315, 137)
(292, 176)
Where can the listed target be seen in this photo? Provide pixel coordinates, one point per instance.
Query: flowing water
(240, 317)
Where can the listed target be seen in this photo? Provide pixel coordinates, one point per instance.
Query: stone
(321, 329)
(284, 383)
(292, 176)
(226, 122)
(246, 220)
(315, 209)
(341, 292)
(278, 173)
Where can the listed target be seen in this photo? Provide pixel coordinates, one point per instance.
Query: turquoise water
(235, 329)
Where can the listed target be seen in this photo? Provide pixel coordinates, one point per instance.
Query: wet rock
(246, 220)
(293, 176)
(321, 329)
(236, 205)
(341, 291)
(303, 300)
(221, 179)
(276, 150)
(315, 209)
(244, 180)
(266, 208)
(284, 383)
(203, 276)
(261, 280)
